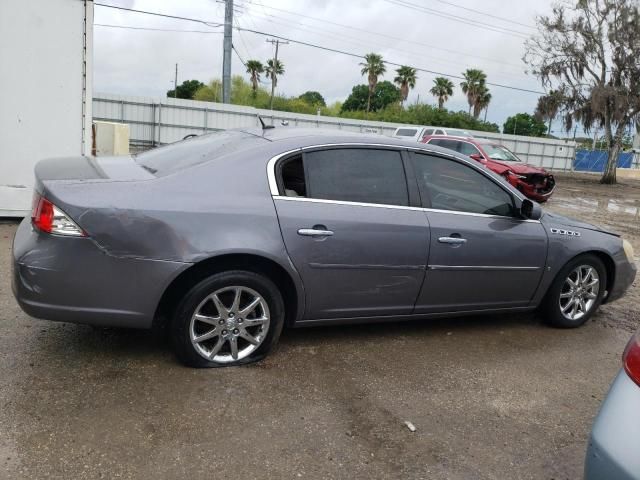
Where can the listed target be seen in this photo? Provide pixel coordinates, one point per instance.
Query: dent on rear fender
(132, 233)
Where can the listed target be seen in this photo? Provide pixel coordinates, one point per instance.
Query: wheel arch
(252, 262)
(606, 259)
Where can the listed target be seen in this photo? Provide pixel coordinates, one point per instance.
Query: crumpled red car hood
(515, 167)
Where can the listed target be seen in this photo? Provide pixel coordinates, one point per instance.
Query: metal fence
(595, 160)
(156, 121)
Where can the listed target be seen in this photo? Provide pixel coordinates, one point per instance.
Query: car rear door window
(452, 185)
(356, 175)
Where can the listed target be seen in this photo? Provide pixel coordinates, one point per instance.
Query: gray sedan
(226, 238)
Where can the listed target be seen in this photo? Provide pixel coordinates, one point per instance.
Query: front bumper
(613, 452)
(534, 192)
(71, 279)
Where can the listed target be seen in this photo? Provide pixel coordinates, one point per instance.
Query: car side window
(356, 175)
(438, 132)
(468, 149)
(451, 185)
(427, 131)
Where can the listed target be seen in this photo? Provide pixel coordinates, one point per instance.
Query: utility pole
(226, 55)
(175, 84)
(274, 79)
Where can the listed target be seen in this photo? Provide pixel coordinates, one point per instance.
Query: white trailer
(45, 90)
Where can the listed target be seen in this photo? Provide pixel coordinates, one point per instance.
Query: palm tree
(548, 106)
(442, 89)
(274, 68)
(254, 69)
(373, 66)
(482, 102)
(406, 79)
(474, 80)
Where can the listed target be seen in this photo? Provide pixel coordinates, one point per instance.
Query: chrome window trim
(481, 267)
(398, 207)
(273, 184)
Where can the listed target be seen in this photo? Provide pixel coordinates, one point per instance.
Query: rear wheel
(576, 293)
(231, 318)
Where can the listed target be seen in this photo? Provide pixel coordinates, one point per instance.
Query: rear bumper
(70, 279)
(614, 446)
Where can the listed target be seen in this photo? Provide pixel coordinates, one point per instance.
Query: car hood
(516, 167)
(554, 219)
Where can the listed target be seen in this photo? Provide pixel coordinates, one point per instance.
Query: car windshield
(498, 152)
(194, 151)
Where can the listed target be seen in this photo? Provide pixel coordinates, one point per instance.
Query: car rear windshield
(498, 152)
(194, 151)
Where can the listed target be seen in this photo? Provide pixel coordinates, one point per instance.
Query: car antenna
(264, 125)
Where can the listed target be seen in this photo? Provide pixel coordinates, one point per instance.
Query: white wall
(154, 121)
(45, 96)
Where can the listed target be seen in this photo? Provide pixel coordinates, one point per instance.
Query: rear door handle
(315, 232)
(452, 240)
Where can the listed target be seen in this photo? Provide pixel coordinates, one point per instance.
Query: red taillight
(42, 214)
(631, 358)
(48, 218)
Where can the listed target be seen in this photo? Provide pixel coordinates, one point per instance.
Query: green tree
(373, 67)
(274, 68)
(313, 98)
(405, 79)
(254, 69)
(548, 106)
(589, 49)
(524, 124)
(186, 89)
(385, 94)
(442, 89)
(472, 87)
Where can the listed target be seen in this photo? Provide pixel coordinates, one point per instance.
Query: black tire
(550, 306)
(181, 322)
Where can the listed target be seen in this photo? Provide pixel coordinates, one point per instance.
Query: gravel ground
(491, 397)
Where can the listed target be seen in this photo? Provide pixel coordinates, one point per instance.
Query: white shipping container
(45, 107)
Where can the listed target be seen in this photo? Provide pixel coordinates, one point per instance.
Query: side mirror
(530, 210)
(477, 157)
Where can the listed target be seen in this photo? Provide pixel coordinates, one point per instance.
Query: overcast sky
(142, 62)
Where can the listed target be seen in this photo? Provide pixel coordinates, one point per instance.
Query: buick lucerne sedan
(227, 237)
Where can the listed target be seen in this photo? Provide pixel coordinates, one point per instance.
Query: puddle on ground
(629, 207)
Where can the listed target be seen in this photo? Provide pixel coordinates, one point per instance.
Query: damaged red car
(534, 182)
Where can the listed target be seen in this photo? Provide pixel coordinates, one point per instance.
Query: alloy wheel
(579, 292)
(229, 324)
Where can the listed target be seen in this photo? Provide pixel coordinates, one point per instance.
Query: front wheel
(230, 318)
(576, 293)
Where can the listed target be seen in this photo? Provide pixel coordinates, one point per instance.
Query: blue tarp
(595, 160)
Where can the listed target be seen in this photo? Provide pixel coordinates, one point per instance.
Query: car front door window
(451, 185)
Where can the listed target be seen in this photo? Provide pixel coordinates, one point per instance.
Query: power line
(129, 27)
(456, 18)
(342, 52)
(362, 42)
(480, 12)
(390, 37)
(175, 17)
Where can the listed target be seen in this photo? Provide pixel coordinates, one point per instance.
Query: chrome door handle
(452, 240)
(313, 232)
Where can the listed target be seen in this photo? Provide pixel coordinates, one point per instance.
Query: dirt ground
(491, 397)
